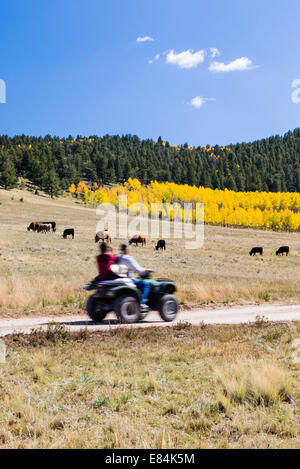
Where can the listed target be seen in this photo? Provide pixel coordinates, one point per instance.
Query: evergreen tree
(51, 184)
(8, 178)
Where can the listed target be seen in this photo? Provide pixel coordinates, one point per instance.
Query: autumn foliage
(268, 210)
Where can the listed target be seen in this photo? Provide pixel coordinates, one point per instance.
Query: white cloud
(144, 39)
(155, 58)
(186, 59)
(214, 52)
(198, 101)
(240, 64)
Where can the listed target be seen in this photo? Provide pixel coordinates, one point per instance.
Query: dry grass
(16, 292)
(44, 273)
(257, 382)
(192, 387)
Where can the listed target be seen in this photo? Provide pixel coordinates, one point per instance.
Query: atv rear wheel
(95, 309)
(168, 308)
(127, 309)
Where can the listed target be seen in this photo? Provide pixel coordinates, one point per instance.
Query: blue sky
(75, 67)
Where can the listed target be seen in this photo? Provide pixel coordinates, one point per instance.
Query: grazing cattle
(69, 232)
(43, 228)
(161, 244)
(33, 226)
(51, 223)
(138, 239)
(283, 250)
(103, 236)
(255, 251)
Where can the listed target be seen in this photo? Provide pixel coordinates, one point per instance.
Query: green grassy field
(191, 387)
(44, 274)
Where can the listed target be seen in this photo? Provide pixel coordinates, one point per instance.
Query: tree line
(53, 164)
(270, 210)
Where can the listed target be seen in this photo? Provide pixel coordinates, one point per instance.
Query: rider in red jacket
(104, 262)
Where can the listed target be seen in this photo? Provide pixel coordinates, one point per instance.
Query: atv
(123, 297)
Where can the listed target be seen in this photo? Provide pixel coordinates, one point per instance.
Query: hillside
(43, 274)
(51, 163)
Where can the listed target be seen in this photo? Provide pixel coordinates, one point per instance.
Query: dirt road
(236, 315)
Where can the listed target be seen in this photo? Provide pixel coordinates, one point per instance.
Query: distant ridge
(53, 163)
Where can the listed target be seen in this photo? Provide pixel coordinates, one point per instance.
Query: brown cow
(34, 226)
(51, 223)
(103, 236)
(44, 228)
(138, 239)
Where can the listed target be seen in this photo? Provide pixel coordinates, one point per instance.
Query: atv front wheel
(168, 308)
(127, 309)
(95, 309)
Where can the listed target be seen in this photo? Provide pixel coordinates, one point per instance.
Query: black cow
(52, 223)
(283, 250)
(69, 232)
(34, 226)
(255, 251)
(161, 244)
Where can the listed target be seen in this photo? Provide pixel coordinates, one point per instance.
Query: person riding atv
(134, 268)
(123, 296)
